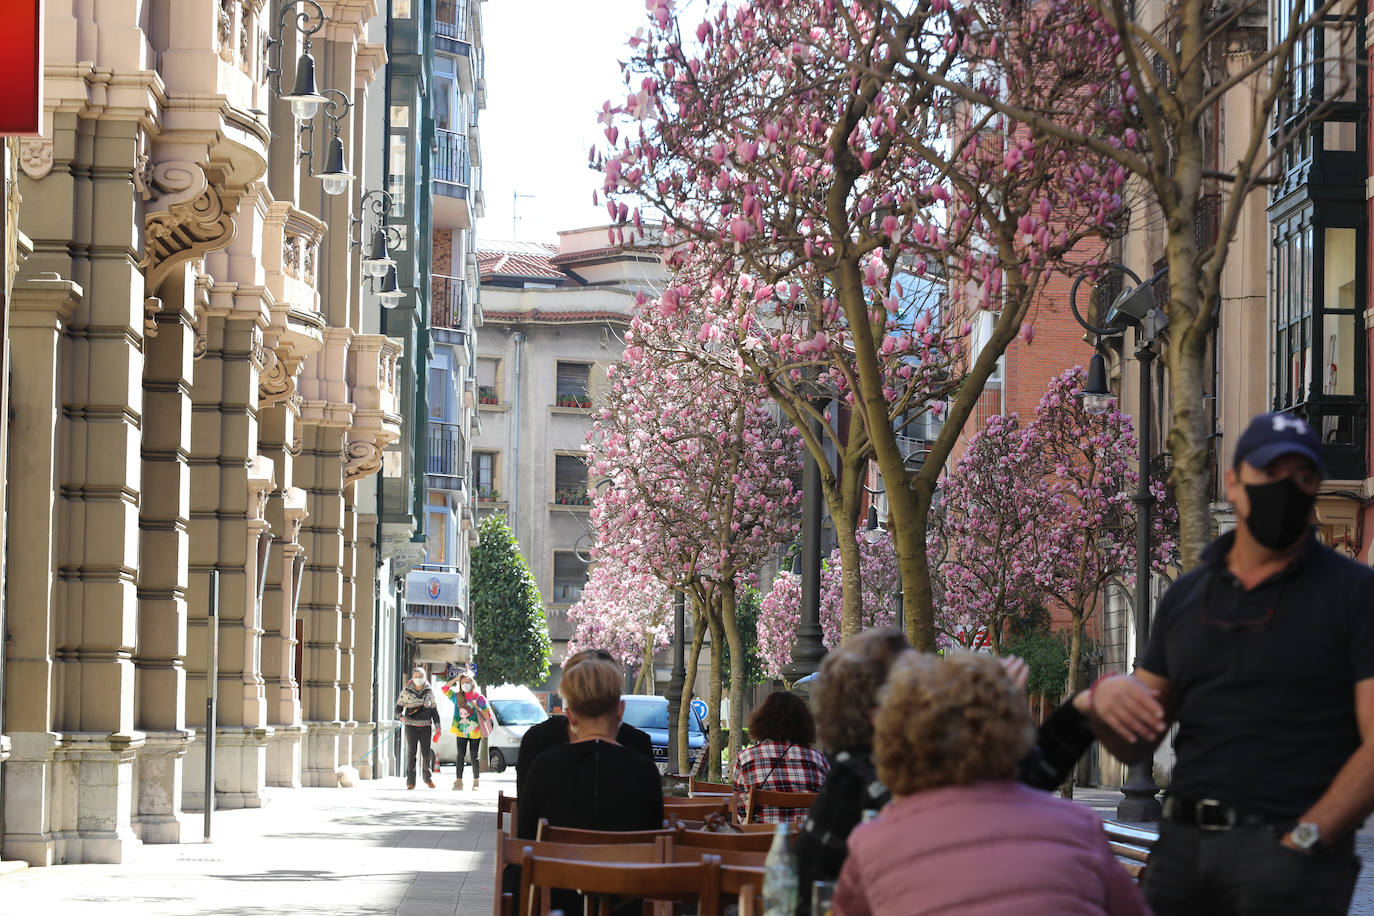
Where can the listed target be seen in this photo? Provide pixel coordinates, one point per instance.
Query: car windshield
(518, 712)
(654, 715)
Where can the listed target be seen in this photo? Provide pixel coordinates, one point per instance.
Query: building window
(570, 481)
(436, 537)
(485, 470)
(488, 380)
(569, 575)
(573, 385)
(440, 393)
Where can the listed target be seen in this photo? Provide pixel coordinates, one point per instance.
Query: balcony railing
(451, 157)
(447, 308)
(445, 450)
(451, 19)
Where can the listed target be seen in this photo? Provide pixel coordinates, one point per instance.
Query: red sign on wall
(21, 66)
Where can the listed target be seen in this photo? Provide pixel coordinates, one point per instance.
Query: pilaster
(365, 634)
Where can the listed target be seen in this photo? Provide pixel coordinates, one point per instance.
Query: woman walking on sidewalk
(471, 723)
(416, 709)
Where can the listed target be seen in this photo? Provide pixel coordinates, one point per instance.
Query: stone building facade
(201, 391)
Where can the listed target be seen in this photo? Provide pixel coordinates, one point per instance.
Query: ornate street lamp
(382, 240)
(1134, 306)
(306, 99)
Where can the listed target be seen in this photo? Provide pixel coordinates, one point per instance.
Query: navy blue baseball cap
(1270, 436)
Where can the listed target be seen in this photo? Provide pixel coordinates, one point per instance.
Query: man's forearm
(1348, 800)
(1126, 751)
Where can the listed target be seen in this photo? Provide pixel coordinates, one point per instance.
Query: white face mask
(467, 686)
(418, 681)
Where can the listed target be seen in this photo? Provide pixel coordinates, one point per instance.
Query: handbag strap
(781, 757)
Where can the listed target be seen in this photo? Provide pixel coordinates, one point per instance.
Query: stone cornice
(346, 20)
(43, 300)
(371, 59)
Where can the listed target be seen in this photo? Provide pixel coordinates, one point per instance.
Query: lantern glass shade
(1097, 397)
(389, 291)
(335, 176)
(304, 97)
(378, 258)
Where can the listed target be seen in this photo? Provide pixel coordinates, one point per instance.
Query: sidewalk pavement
(1104, 802)
(375, 848)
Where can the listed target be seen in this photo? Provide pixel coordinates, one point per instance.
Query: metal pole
(807, 655)
(677, 680)
(1140, 802)
(211, 684)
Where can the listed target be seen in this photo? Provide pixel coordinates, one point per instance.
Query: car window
(518, 712)
(654, 715)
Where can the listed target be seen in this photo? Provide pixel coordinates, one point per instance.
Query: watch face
(1305, 836)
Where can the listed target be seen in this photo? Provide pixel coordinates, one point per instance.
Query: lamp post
(809, 650)
(1134, 306)
(677, 680)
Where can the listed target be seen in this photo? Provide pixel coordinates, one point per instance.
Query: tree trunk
(736, 645)
(689, 685)
(713, 701)
(851, 579)
(1077, 628)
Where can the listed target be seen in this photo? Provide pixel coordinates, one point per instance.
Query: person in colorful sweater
(471, 723)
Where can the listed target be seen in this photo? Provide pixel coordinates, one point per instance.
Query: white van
(514, 709)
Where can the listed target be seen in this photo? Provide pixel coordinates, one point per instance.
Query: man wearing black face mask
(1264, 657)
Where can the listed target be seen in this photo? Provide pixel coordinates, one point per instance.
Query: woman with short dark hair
(782, 759)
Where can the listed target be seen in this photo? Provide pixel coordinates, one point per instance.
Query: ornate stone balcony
(376, 420)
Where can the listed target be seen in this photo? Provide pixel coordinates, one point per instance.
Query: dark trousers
(1246, 872)
(419, 735)
(473, 750)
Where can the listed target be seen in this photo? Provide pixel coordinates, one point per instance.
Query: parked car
(650, 714)
(514, 709)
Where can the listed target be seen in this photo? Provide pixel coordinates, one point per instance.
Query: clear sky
(550, 66)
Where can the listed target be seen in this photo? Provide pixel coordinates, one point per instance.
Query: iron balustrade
(451, 163)
(448, 304)
(451, 19)
(445, 450)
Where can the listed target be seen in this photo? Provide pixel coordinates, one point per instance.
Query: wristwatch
(1308, 838)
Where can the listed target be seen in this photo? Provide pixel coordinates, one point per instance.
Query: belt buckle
(1200, 818)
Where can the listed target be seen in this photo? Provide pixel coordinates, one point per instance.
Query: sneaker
(457, 784)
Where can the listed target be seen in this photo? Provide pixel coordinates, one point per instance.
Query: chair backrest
(744, 858)
(505, 813)
(776, 798)
(552, 834)
(512, 850)
(695, 809)
(757, 828)
(698, 881)
(743, 842)
(704, 787)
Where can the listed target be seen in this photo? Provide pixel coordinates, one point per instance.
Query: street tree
(698, 491)
(626, 612)
(508, 622)
(798, 163)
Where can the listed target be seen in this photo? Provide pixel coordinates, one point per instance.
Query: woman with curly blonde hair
(961, 834)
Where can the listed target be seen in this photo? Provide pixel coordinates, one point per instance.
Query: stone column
(348, 669)
(33, 790)
(225, 470)
(164, 523)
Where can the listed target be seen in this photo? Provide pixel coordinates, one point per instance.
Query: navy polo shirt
(1263, 681)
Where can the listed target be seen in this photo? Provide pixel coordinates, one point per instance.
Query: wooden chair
(760, 798)
(757, 828)
(509, 850)
(697, 787)
(756, 841)
(744, 883)
(505, 813)
(1131, 846)
(742, 858)
(551, 834)
(694, 809)
(694, 881)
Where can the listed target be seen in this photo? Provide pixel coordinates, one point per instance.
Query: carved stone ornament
(361, 458)
(35, 156)
(186, 219)
(276, 381)
(151, 306)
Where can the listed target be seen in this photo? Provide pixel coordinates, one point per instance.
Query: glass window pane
(1338, 136)
(1338, 349)
(400, 9)
(400, 117)
(1338, 269)
(436, 540)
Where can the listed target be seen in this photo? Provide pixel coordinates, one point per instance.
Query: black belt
(1211, 814)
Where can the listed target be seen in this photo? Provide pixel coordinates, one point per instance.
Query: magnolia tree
(1092, 487)
(1042, 514)
(780, 613)
(797, 164)
(698, 492)
(999, 531)
(626, 613)
(1270, 69)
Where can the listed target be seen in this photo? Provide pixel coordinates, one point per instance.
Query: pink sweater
(989, 849)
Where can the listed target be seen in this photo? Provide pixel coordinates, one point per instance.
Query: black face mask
(1279, 512)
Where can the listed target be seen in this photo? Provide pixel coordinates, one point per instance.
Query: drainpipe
(519, 339)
